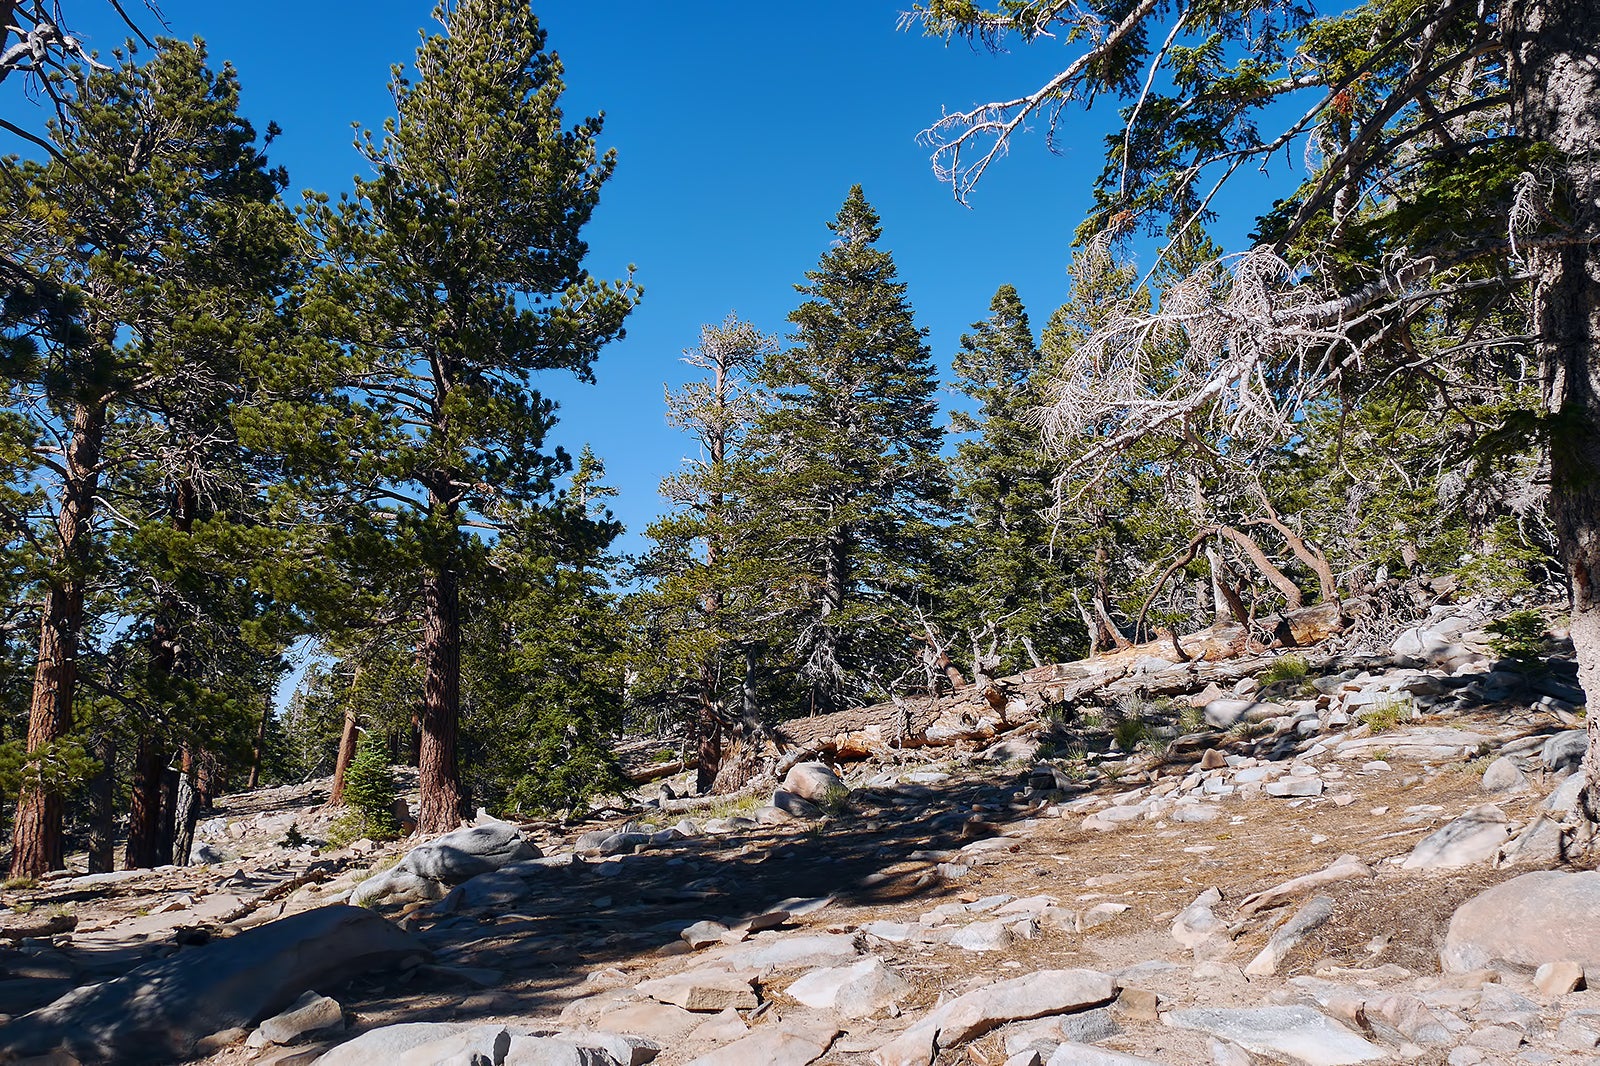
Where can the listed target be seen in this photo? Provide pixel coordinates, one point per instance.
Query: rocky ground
(1376, 862)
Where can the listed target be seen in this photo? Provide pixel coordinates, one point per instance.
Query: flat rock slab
(1089, 1055)
(1472, 838)
(856, 991)
(1304, 1034)
(789, 1043)
(1418, 745)
(1035, 995)
(158, 1011)
(1541, 917)
(705, 990)
(786, 952)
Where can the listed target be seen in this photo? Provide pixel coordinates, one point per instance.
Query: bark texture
(439, 810)
(36, 834)
(1556, 90)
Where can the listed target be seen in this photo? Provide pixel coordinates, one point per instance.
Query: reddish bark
(439, 810)
(36, 833)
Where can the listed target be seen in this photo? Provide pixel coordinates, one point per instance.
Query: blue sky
(739, 130)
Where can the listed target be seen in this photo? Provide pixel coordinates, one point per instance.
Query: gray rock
(789, 1043)
(1196, 924)
(1293, 786)
(429, 869)
(785, 952)
(856, 991)
(799, 806)
(1503, 775)
(1301, 1032)
(1474, 837)
(158, 1011)
(1224, 714)
(1563, 752)
(1288, 936)
(305, 1015)
(581, 1048)
(1523, 923)
(468, 852)
(982, 936)
(1086, 1027)
(704, 990)
(390, 1042)
(1035, 995)
(816, 782)
(1087, 1055)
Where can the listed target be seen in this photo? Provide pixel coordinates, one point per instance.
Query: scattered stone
(307, 1014)
(704, 990)
(1474, 837)
(798, 806)
(428, 869)
(1563, 752)
(785, 952)
(1540, 917)
(1099, 914)
(394, 1043)
(1503, 775)
(1088, 1055)
(1301, 1032)
(704, 934)
(982, 936)
(817, 783)
(1307, 919)
(789, 1043)
(1293, 787)
(857, 991)
(975, 1013)
(1554, 979)
(1196, 924)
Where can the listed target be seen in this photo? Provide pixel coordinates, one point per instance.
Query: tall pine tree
(850, 485)
(457, 273)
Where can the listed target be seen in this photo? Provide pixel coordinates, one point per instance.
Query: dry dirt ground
(595, 926)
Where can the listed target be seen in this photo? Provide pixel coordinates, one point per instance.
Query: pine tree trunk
(259, 751)
(187, 809)
(167, 837)
(439, 810)
(1556, 94)
(102, 808)
(144, 806)
(347, 751)
(825, 651)
(36, 833)
(708, 734)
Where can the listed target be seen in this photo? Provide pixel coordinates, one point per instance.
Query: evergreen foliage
(847, 485)
(369, 793)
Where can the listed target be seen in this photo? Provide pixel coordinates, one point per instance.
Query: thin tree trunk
(258, 751)
(144, 806)
(187, 808)
(825, 653)
(347, 743)
(102, 807)
(439, 810)
(708, 734)
(1556, 93)
(1269, 570)
(165, 855)
(36, 833)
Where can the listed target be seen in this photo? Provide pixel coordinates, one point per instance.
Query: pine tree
(456, 274)
(1009, 582)
(849, 483)
(160, 222)
(699, 623)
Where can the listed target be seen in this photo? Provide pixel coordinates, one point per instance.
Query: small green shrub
(1191, 720)
(1385, 715)
(1129, 733)
(292, 837)
(369, 794)
(1520, 635)
(1284, 668)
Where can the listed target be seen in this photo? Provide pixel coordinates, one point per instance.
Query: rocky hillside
(1326, 858)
